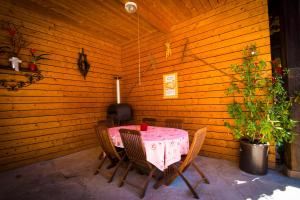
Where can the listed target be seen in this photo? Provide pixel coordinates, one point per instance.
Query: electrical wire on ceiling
(131, 7)
(139, 49)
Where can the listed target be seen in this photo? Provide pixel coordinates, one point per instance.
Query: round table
(163, 146)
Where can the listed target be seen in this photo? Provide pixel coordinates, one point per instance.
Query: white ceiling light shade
(130, 7)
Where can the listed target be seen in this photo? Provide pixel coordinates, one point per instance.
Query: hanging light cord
(139, 49)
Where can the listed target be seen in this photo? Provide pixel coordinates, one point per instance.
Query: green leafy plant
(263, 113)
(35, 58)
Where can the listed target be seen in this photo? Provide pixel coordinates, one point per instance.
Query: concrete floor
(71, 177)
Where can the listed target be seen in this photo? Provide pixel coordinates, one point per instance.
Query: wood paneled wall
(55, 116)
(218, 38)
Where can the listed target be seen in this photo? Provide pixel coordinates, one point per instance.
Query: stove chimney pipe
(118, 89)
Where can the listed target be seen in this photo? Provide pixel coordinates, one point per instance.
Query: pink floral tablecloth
(164, 146)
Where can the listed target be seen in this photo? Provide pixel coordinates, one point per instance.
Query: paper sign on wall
(170, 86)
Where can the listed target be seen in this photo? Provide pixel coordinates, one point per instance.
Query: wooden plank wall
(216, 37)
(55, 116)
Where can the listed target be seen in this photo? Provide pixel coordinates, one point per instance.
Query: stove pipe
(119, 113)
(118, 89)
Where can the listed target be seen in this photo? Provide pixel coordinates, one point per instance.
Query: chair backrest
(105, 141)
(149, 121)
(127, 123)
(195, 148)
(134, 147)
(174, 123)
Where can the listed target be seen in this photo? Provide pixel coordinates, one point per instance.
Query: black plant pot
(254, 158)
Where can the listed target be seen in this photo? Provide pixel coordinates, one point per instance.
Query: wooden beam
(152, 18)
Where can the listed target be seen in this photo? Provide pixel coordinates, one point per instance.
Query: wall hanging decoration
(197, 58)
(83, 64)
(168, 49)
(152, 62)
(170, 86)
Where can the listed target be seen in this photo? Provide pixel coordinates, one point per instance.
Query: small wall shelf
(21, 69)
(14, 85)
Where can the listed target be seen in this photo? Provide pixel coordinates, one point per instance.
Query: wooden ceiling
(108, 20)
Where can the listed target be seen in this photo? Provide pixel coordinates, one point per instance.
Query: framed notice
(170, 86)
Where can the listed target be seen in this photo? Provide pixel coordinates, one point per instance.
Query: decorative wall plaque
(170, 86)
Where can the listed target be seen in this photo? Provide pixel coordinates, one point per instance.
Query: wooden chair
(174, 123)
(149, 121)
(135, 151)
(131, 122)
(175, 170)
(109, 150)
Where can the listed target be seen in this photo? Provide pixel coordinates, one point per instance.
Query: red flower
(256, 64)
(274, 80)
(32, 50)
(279, 70)
(274, 62)
(12, 32)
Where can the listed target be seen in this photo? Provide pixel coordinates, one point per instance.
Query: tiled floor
(71, 177)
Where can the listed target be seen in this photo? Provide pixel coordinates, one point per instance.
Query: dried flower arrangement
(16, 40)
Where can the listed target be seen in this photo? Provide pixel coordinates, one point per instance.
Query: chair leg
(116, 168)
(146, 183)
(159, 182)
(170, 174)
(125, 174)
(100, 165)
(187, 183)
(200, 173)
(101, 155)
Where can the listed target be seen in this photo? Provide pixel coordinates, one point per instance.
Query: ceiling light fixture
(130, 7)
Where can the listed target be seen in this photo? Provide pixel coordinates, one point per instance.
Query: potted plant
(34, 59)
(261, 115)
